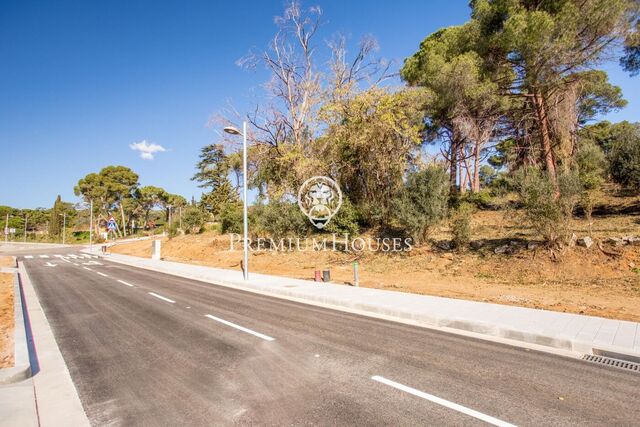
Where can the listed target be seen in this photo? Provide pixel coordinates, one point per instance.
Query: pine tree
(213, 173)
(55, 222)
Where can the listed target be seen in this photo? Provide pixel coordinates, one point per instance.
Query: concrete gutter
(21, 369)
(560, 333)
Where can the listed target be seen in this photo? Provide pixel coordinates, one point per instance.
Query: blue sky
(82, 80)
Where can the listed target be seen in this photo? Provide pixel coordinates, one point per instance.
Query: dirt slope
(579, 280)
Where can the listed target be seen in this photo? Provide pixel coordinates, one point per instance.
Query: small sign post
(111, 225)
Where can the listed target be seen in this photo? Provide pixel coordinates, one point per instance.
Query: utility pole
(26, 222)
(6, 229)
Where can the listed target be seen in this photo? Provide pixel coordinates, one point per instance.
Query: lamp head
(231, 130)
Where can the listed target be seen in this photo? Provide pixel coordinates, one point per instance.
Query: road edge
(56, 396)
(21, 369)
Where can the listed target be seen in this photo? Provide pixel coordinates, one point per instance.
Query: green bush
(174, 230)
(346, 221)
(422, 203)
(592, 165)
(193, 220)
(624, 158)
(549, 214)
(279, 219)
(461, 225)
(482, 199)
(231, 218)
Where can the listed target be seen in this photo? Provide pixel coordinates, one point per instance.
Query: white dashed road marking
(125, 283)
(28, 256)
(241, 328)
(87, 268)
(162, 298)
(102, 274)
(44, 256)
(443, 402)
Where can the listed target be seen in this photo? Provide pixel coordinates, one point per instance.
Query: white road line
(241, 328)
(125, 283)
(87, 268)
(102, 274)
(443, 402)
(75, 264)
(44, 256)
(162, 298)
(28, 256)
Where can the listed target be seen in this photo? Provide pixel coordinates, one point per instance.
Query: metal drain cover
(609, 361)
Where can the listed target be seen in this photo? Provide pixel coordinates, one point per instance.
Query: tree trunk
(545, 139)
(96, 224)
(464, 172)
(453, 167)
(475, 184)
(124, 225)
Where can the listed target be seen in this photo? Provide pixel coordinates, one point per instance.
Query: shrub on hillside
(592, 165)
(231, 218)
(173, 231)
(549, 214)
(422, 203)
(482, 199)
(346, 221)
(461, 225)
(193, 220)
(279, 219)
(624, 158)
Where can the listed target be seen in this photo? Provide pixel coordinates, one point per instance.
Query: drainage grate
(622, 364)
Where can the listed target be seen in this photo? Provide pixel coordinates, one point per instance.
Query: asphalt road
(142, 351)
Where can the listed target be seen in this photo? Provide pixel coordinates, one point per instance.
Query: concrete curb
(374, 304)
(21, 369)
(56, 396)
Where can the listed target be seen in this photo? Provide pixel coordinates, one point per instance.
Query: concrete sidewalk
(546, 330)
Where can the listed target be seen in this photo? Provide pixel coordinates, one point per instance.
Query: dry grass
(7, 261)
(6, 320)
(576, 280)
(581, 281)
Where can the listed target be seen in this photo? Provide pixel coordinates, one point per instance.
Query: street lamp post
(26, 222)
(233, 131)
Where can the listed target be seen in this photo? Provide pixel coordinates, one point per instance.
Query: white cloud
(147, 150)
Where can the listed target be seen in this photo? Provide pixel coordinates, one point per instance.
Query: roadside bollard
(355, 274)
(326, 275)
(155, 249)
